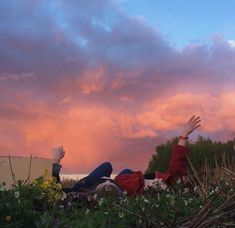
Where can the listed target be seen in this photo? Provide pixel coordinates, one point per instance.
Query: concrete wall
(20, 168)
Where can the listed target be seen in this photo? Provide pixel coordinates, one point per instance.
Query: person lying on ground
(133, 182)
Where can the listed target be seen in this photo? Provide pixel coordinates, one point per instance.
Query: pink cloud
(103, 84)
(95, 133)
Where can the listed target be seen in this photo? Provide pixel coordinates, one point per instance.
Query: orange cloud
(91, 134)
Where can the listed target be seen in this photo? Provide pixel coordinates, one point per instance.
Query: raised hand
(57, 154)
(192, 124)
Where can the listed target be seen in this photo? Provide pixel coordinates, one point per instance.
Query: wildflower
(121, 214)
(8, 218)
(17, 195)
(87, 211)
(146, 200)
(69, 204)
(106, 212)
(2, 187)
(45, 185)
(125, 193)
(63, 196)
(185, 202)
(89, 198)
(158, 196)
(172, 202)
(101, 201)
(212, 192)
(95, 197)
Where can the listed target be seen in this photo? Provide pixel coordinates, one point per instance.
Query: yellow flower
(8, 218)
(45, 185)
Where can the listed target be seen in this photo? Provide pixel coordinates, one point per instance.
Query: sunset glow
(106, 83)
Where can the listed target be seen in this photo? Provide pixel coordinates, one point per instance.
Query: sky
(112, 79)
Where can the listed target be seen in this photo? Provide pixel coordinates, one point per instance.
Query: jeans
(93, 179)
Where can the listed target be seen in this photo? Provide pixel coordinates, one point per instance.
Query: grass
(207, 199)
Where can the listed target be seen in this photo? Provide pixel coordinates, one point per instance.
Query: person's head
(108, 189)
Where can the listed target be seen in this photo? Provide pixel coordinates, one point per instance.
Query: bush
(202, 151)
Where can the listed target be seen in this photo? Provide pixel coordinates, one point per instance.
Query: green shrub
(201, 151)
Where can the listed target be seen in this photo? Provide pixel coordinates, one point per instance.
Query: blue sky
(184, 21)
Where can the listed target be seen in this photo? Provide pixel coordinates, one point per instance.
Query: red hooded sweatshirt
(134, 183)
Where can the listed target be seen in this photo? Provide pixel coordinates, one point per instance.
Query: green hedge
(201, 151)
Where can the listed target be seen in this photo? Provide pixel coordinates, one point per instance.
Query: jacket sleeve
(177, 165)
(56, 171)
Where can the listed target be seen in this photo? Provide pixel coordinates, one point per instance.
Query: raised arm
(178, 163)
(192, 124)
(57, 155)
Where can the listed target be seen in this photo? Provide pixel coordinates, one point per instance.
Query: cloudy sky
(111, 79)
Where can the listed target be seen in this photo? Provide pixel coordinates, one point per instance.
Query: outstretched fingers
(191, 119)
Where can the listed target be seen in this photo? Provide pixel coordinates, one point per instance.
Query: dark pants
(97, 177)
(93, 179)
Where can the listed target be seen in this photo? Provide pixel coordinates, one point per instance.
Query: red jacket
(134, 183)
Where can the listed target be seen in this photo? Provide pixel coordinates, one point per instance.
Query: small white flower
(2, 187)
(17, 195)
(158, 196)
(212, 192)
(101, 201)
(125, 193)
(87, 211)
(63, 196)
(146, 200)
(121, 214)
(178, 181)
(106, 212)
(190, 200)
(95, 197)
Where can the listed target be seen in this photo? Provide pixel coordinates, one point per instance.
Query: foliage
(201, 151)
(22, 204)
(206, 200)
(174, 207)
